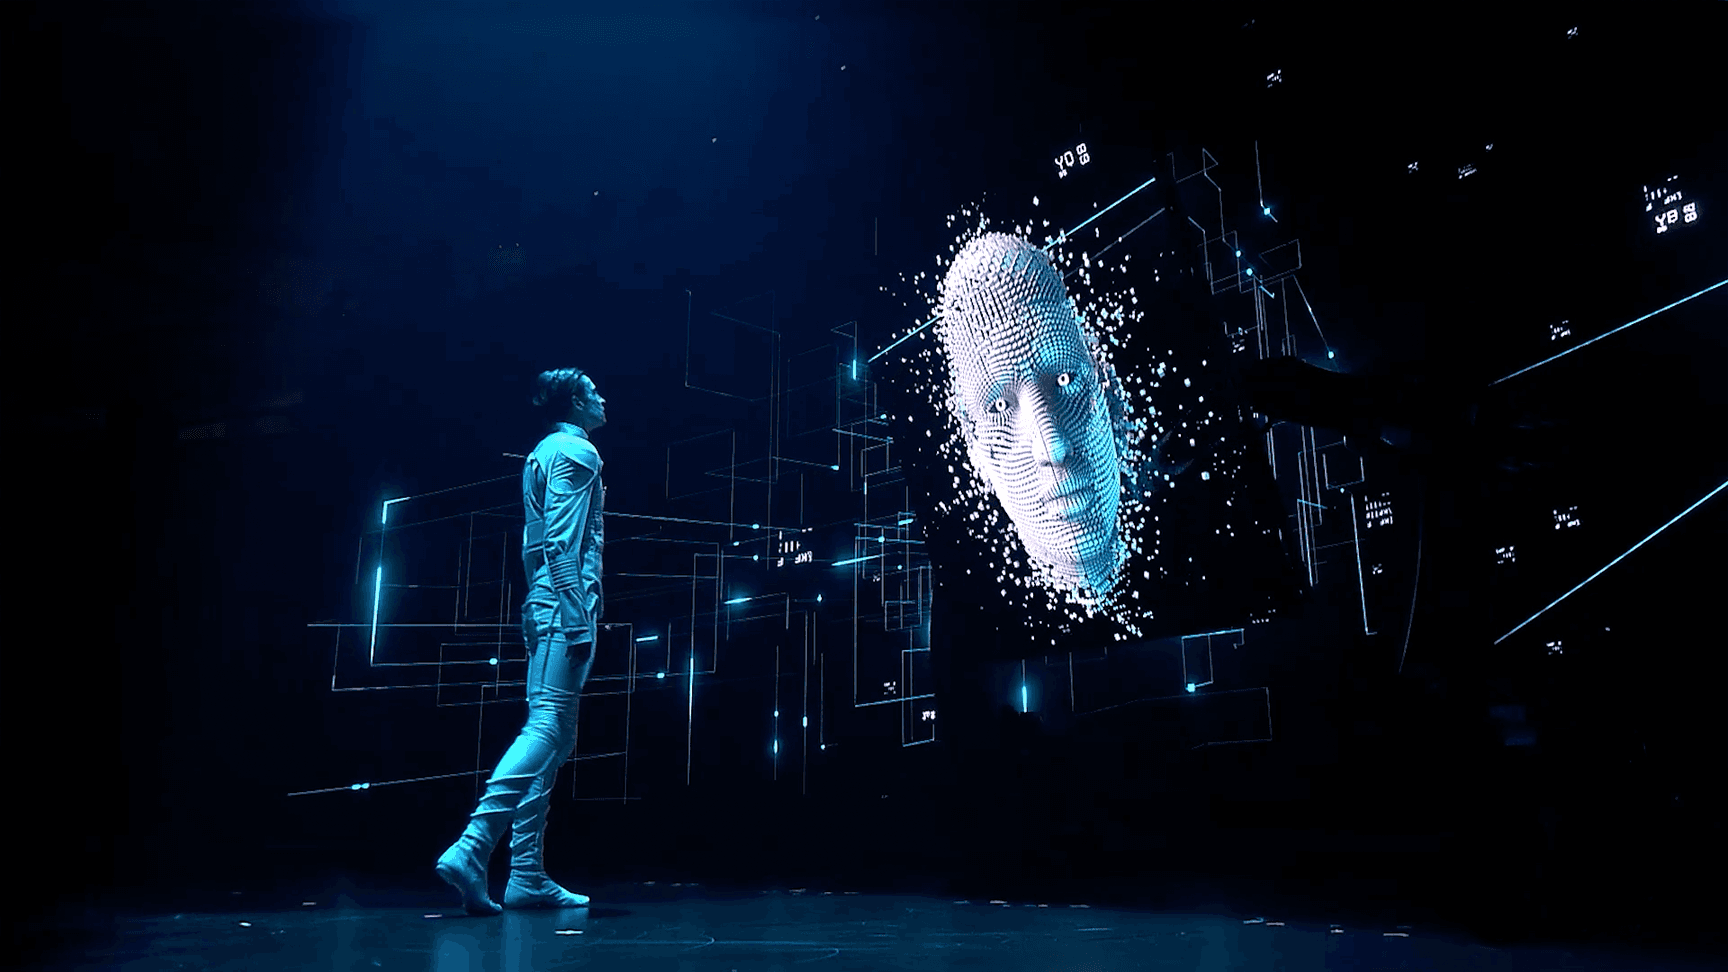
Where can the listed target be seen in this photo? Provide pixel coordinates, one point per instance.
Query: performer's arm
(567, 500)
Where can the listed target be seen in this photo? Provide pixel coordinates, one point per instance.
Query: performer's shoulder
(577, 448)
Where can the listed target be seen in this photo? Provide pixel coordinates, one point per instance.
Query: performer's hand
(571, 618)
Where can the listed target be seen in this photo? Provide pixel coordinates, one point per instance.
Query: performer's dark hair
(553, 391)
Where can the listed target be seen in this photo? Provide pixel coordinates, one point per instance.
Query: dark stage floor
(692, 929)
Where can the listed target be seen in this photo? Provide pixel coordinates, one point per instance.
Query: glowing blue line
(1311, 315)
(1100, 212)
(909, 698)
(690, 731)
(673, 519)
(1616, 559)
(903, 340)
(854, 560)
(860, 435)
(1270, 294)
(738, 600)
(1210, 634)
(377, 588)
(1615, 331)
(1100, 254)
(1361, 588)
(647, 638)
(1047, 247)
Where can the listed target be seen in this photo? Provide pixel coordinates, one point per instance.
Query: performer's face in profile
(1039, 427)
(589, 408)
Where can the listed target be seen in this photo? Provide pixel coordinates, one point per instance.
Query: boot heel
(470, 882)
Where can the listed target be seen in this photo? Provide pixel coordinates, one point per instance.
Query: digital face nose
(1050, 441)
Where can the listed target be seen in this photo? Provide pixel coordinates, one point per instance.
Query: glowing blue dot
(776, 713)
(755, 556)
(755, 526)
(835, 468)
(1190, 686)
(493, 661)
(806, 722)
(1250, 271)
(824, 746)
(1268, 210)
(1331, 354)
(1205, 475)
(1238, 252)
(818, 599)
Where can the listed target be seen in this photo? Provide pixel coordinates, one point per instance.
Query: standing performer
(562, 499)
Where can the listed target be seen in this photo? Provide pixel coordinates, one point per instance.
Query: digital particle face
(1030, 399)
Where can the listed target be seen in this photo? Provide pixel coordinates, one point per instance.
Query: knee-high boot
(529, 887)
(463, 864)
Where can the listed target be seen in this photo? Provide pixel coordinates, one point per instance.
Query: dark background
(189, 248)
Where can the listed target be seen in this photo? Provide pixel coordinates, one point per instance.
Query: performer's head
(569, 395)
(1034, 406)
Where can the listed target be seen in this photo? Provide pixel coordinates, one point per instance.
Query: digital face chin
(1032, 408)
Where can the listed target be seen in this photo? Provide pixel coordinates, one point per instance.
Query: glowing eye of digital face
(999, 406)
(1065, 378)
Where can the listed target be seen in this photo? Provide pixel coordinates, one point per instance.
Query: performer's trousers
(521, 786)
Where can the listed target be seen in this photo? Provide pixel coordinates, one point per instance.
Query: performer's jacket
(562, 538)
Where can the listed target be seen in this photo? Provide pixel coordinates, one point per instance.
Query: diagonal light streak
(1060, 238)
(1616, 560)
(1615, 331)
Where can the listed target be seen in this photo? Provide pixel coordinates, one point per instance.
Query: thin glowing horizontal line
(677, 519)
(860, 705)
